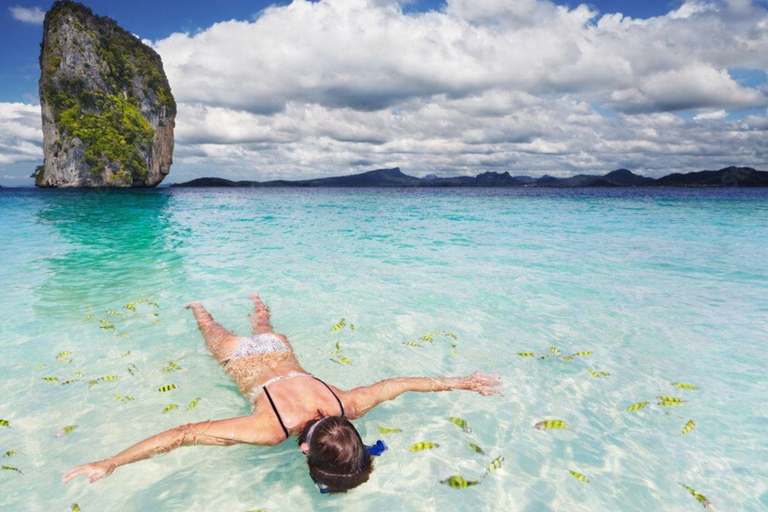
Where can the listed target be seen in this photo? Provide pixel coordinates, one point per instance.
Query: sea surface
(661, 285)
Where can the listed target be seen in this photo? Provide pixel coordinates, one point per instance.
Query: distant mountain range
(727, 177)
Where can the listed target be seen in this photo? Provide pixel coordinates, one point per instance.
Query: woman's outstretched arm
(220, 433)
(364, 399)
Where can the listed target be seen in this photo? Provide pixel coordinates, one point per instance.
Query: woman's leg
(221, 342)
(260, 319)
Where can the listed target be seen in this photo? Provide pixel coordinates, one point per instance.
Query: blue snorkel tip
(376, 449)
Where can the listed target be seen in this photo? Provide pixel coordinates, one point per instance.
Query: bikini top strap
(272, 403)
(341, 406)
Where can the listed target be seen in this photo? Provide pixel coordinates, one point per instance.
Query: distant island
(727, 177)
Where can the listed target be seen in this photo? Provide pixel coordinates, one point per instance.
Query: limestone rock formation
(108, 111)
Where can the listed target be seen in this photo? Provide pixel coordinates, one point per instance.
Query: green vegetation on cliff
(97, 80)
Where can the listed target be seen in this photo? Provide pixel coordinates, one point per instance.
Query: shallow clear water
(663, 286)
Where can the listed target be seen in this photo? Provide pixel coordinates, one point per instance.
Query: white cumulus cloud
(28, 14)
(531, 87)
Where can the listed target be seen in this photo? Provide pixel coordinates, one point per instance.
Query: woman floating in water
(286, 401)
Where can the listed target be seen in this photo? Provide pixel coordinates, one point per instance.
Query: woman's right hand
(94, 471)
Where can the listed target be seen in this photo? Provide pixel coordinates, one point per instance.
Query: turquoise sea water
(662, 285)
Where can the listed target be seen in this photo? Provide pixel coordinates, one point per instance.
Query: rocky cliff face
(108, 111)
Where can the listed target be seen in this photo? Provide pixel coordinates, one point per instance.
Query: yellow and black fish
(78, 373)
(670, 399)
(344, 359)
(11, 468)
(599, 375)
(451, 335)
(424, 445)
(64, 353)
(193, 403)
(579, 476)
(108, 378)
(699, 497)
(476, 448)
(337, 350)
(526, 354)
(169, 408)
(567, 358)
(458, 482)
(685, 386)
(66, 430)
(114, 313)
(584, 353)
(51, 379)
(386, 430)
(75, 507)
(428, 337)
(118, 397)
(106, 325)
(554, 350)
(11, 453)
(174, 365)
(70, 381)
(5, 423)
(670, 404)
(495, 464)
(688, 427)
(637, 406)
(92, 383)
(550, 425)
(339, 326)
(461, 423)
(412, 344)
(167, 387)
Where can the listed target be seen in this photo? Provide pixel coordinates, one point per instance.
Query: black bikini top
(274, 408)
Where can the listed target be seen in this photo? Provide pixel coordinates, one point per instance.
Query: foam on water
(662, 285)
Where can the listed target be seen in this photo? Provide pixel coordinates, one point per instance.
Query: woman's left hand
(483, 383)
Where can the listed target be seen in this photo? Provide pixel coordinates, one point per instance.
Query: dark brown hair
(337, 457)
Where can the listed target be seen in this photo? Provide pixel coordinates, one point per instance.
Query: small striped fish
(169, 408)
(637, 406)
(424, 445)
(579, 476)
(386, 430)
(461, 423)
(66, 430)
(550, 425)
(688, 427)
(495, 464)
(699, 497)
(458, 482)
(684, 386)
(167, 387)
(476, 448)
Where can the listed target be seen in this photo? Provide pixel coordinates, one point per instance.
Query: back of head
(337, 457)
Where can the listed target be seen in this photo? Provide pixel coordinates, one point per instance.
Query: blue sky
(154, 20)
(281, 90)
